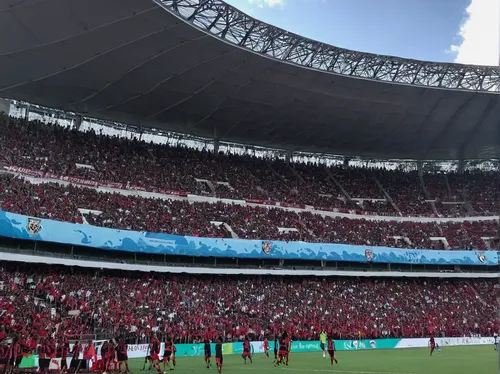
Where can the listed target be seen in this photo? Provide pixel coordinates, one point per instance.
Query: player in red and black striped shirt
(331, 350)
(6, 355)
(246, 350)
(155, 353)
(284, 347)
(432, 345)
(63, 352)
(44, 356)
(174, 351)
(207, 350)
(75, 356)
(218, 355)
(111, 355)
(122, 355)
(17, 355)
(167, 354)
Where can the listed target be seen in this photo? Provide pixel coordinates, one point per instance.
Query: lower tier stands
(45, 148)
(118, 210)
(190, 306)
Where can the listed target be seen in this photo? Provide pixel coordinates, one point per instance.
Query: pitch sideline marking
(333, 371)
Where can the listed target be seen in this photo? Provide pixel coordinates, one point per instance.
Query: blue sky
(465, 31)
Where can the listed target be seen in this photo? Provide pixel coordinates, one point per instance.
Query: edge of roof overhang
(455, 66)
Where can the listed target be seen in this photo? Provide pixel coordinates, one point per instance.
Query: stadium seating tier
(191, 307)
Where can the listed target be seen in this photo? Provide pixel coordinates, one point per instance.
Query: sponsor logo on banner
(266, 247)
(373, 344)
(369, 254)
(481, 257)
(34, 226)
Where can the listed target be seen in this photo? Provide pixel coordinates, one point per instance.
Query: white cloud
(479, 34)
(267, 3)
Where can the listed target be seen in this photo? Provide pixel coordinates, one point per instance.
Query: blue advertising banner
(30, 228)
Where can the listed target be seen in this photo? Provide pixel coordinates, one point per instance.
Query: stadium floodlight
(226, 22)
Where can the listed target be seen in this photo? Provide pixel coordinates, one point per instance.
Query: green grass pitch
(452, 360)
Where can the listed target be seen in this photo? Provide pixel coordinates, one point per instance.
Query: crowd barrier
(30, 228)
(195, 350)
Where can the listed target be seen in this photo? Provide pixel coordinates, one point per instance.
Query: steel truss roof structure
(203, 68)
(228, 23)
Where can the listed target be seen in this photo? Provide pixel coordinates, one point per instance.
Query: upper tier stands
(190, 307)
(153, 166)
(86, 205)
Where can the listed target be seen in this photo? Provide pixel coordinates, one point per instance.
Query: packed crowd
(75, 204)
(47, 148)
(188, 306)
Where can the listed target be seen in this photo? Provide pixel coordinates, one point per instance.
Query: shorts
(266, 349)
(121, 357)
(283, 353)
(246, 354)
(166, 355)
(219, 360)
(433, 346)
(331, 352)
(208, 355)
(74, 363)
(44, 363)
(155, 357)
(322, 346)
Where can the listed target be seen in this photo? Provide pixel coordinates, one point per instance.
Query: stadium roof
(204, 68)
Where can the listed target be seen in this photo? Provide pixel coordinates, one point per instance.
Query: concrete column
(216, 145)
(27, 113)
(461, 167)
(420, 168)
(288, 156)
(4, 106)
(78, 122)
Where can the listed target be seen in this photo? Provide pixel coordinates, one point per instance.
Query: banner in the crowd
(445, 342)
(29, 362)
(31, 228)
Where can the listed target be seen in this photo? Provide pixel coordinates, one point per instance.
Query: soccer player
(122, 355)
(322, 342)
(495, 343)
(276, 345)
(43, 357)
(284, 345)
(246, 350)
(104, 355)
(5, 355)
(174, 351)
(155, 353)
(219, 360)
(167, 354)
(266, 347)
(52, 351)
(75, 357)
(208, 352)
(331, 350)
(150, 361)
(111, 355)
(432, 344)
(63, 351)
